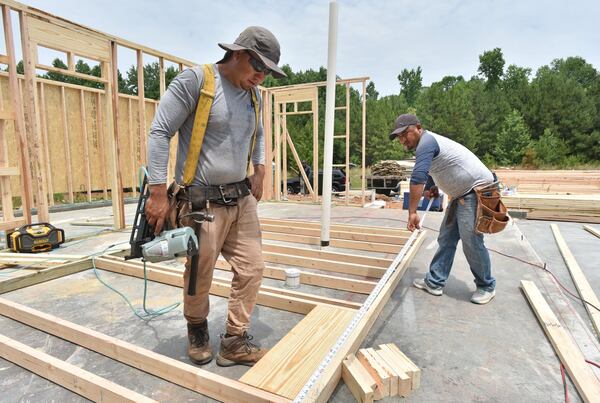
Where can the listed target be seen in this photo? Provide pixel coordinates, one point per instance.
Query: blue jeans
(459, 224)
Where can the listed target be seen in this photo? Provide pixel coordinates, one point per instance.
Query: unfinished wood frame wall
(281, 374)
(93, 148)
(278, 139)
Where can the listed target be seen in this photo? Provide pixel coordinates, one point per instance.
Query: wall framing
(259, 383)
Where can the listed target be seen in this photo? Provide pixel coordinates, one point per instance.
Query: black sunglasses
(258, 65)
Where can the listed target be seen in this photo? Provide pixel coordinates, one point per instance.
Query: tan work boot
(199, 349)
(238, 350)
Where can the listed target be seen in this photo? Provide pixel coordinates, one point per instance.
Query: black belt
(227, 194)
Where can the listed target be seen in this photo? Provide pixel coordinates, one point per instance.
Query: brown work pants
(235, 233)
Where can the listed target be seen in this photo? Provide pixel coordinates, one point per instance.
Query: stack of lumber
(389, 168)
(578, 208)
(377, 373)
(552, 182)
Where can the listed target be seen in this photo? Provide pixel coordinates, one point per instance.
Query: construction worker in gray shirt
(216, 108)
(458, 172)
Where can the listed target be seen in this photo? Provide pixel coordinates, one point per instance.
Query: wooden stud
(308, 278)
(268, 135)
(112, 94)
(277, 152)
(381, 376)
(584, 288)
(358, 380)
(141, 106)
(45, 142)
(391, 239)
(7, 204)
(135, 156)
(391, 350)
(284, 151)
(315, 111)
(41, 276)
(570, 355)
(363, 177)
(66, 143)
(389, 370)
(100, 128)
(402, 379)
(21, 128)
(336, 243)
(86, 147)
(354, 228)
(67, 375)
(299, 163)
(592, 230)
(172, 370)
(161, 76)
(321, 254)
(347, 184)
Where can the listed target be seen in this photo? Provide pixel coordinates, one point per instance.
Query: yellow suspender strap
(207, 95)
(256, 113)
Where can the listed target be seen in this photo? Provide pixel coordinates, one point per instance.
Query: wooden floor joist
(177, 372)
(361, 229)
(78, 380)
(592, 230)
(581, 283)
(287, 300)
(353, 236)
(570, 355)
(334, 243)
(322, 254)
(40, 276)
(315, 279)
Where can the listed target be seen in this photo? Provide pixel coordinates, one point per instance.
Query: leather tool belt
(492, 216)
(226, 195)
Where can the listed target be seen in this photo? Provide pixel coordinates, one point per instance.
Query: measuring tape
(359, 315)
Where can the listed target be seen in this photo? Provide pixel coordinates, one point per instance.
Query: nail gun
(170, 243)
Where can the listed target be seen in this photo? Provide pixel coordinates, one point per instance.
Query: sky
(376, 38)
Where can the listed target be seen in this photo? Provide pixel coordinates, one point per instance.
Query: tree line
(507, 116)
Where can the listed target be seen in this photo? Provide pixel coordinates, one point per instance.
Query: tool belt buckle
(223, 197)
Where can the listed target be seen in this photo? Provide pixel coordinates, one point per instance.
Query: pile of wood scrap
(551, 181)
(389, 168)
(577, 208)
(377, 373)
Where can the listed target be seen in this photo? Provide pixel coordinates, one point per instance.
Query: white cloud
(376, 38)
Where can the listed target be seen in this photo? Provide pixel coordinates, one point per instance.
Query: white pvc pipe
(329, 122)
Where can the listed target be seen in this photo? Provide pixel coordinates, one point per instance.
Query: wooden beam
(5, 187)
(86, 147)
(579, 371)
(43, 275)
(381, 376)
(336, 243)
(135, 156)
(12, 224)
(392, 351)
(268, 296)
(390, 239)
(71, 73)
(581, 283)
(319, 254)
(592, 230)
(358, 380)
(325, 265)
(45, 142)
(9, 171)
(112, 93)
(308, 278)
(141, 105)
(299, 163)
(354, 228)
(78, 380)
(179, 373)
(402, 380)
(20, 127)
(161, 76)
(101, 141)
(66, 143)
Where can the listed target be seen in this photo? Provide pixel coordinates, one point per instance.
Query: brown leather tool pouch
(174, 204)
(492, 216)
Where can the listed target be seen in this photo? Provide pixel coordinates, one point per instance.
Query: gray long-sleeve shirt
(226, 145)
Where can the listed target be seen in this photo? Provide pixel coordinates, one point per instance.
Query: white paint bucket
(292, 278)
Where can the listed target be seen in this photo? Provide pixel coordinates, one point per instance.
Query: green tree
(411, 83)
(549, 149)
(371, 91)
(491, 66)
(513, 140)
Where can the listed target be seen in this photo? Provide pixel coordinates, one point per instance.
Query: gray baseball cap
(402, 122)
(262, 44)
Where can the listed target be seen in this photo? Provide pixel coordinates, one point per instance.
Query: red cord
(595, 364)
(564, 379)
